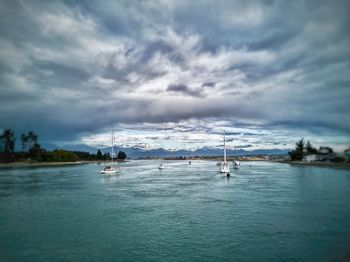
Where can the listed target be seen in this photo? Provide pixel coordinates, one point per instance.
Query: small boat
(236, 164)
(189, 162)
(111, 169)
(161, 166)
(224, 166)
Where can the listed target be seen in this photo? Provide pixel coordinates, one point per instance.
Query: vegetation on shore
(32, 151)
(324, 153)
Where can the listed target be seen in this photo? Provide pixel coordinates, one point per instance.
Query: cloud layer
(72, 70)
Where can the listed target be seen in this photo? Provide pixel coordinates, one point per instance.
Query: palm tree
(8, 140)
(24, 140)
(29, 140)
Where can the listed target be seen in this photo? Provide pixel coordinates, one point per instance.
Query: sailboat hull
(110, 171)
(224, 168)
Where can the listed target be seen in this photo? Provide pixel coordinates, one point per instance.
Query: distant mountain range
(135, 152)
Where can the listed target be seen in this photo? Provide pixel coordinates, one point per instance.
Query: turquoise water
(265, 212)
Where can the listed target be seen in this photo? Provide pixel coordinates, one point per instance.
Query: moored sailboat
(236, 164)
(111, 169)
(224, 166)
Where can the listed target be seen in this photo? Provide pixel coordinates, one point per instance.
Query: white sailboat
(236, 164)
(111, 169)
(224, 166)
(161, 166)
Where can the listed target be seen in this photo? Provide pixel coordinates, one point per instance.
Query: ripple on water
(182, 213)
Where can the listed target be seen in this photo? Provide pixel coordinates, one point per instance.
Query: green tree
(36, 152)
(104, 157)
(324, 150)
(99, 155)
(29, 140)
(24, 142)
(8, 141)
(59, 155)
(298, 152)
(121, 155)
(32, 139)
(7, 146)
(310, 149)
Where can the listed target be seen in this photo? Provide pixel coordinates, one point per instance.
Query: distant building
(347, 154)
(310, 158)
(326, 154)
(325, 150)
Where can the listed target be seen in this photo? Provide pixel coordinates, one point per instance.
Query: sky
(175, 74)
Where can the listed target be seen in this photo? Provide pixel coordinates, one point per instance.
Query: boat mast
(224, 148)
(112, 145)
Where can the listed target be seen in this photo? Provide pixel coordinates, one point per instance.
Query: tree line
(303, 149)
(32, 151)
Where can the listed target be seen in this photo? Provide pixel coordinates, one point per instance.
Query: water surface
(264, 211)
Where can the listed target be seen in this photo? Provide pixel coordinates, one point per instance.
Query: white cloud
(114, 63)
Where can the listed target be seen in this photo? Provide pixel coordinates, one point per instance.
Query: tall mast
(224, 148)
(112, 145)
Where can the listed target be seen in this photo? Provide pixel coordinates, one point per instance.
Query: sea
(264, 211)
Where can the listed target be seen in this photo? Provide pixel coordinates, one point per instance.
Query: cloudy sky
(175, 74)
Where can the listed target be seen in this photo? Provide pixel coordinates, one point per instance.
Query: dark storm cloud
(60, 74)
(245, 146)
(208, 84)
(69, 68)
(182, 88)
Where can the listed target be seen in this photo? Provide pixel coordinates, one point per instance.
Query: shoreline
(46, 164)
(58, 164)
